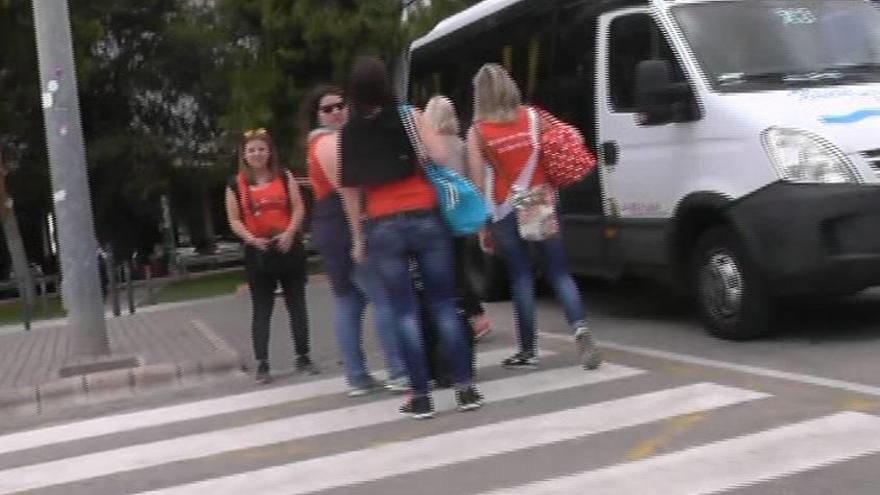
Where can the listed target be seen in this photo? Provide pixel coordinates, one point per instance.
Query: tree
(15, 245)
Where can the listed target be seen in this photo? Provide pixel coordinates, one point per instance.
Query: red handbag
(564, 156)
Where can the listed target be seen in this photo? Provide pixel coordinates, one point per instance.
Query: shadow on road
(813, 320)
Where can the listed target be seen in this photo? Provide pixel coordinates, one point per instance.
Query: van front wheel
(731, 294)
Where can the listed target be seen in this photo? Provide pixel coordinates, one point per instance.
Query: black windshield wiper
(741, 77)
(850, 68)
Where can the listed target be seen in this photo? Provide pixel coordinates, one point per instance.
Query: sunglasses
(255, 132)
(331, 107)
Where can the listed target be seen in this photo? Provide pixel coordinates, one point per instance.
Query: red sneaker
(481, 325)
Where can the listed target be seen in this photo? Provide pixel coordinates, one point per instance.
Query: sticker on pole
(59, 196)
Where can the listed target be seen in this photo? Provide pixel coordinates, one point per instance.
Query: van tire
(730, 293)
(487, 273)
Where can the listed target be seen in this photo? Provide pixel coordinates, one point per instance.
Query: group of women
(376, 222)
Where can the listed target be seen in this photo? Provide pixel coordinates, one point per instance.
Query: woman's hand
(487, 243)
(285, 240)
(260, 243)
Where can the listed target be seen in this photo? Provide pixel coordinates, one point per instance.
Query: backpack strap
(232, 182)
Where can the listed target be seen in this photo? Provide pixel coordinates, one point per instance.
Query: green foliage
(167, 86)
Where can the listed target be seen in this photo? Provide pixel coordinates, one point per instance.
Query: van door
(644, 167)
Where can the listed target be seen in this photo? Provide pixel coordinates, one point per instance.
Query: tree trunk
(15, 245)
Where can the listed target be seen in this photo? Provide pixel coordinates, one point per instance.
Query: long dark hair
(309, 110)
(369, 84)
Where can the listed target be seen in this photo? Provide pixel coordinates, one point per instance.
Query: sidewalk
(178, 344)
(172, 352)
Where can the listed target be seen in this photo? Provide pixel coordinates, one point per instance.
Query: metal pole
(129, 286)
(81, 287)
(112, 280)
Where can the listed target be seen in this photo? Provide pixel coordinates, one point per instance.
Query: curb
(108, 386)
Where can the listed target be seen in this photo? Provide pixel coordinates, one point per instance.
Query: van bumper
(813, 238)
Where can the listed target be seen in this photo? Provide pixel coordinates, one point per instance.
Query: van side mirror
(660, 101)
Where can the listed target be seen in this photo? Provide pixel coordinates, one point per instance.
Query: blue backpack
(461, 203)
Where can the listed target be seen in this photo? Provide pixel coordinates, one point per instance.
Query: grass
(213, 284)
(196, 286)
(201, 286)
(10, 310)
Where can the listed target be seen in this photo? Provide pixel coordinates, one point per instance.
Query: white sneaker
(586, 347)
(397, 385)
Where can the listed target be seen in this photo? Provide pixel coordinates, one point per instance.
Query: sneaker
(481, 325)
(521, 360)
(586, 347)
(468, 399)
(305, 365)
(418, 407)
(368, 388)
(263, 375)
(397, 385)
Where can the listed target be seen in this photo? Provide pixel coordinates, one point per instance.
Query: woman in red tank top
(403, 225)
(265, 209)
(504, 137)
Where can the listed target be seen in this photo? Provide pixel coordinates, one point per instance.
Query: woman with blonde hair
(265, 209)
(506, 135)
(440, 115)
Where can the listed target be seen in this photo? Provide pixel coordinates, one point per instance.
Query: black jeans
(468, 300)
(262, 288)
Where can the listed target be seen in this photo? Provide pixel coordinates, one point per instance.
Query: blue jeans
(353, 287)
(515, 253)
(391, 242)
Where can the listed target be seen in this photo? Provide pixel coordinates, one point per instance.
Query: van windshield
(775, 44)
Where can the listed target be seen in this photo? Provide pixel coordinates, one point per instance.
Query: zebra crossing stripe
(446, 449)
(728, 464)
(288, 429)
(107, 425)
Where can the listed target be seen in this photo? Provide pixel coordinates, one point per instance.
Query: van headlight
(801, 156)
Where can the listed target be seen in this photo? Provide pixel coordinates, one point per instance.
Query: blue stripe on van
(850, 118)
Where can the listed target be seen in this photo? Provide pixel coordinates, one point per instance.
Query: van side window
(633, 39)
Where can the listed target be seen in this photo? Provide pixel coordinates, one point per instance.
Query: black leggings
(262, 289)
(468, 300)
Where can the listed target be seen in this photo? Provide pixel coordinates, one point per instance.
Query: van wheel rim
(721, 285)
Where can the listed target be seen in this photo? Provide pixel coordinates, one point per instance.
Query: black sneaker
(305, 365)
(418, 407)
(521, 360)
(468, 399)
(263, 375)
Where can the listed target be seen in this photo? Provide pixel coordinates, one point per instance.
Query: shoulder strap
(412, 131)
(232, 182)
(285, 181)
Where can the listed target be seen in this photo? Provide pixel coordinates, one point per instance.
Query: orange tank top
(412, 193)
(511, 145)
(321, 186)
(266, 207)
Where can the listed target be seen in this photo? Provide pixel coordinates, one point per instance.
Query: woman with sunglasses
(352, 284)
(265, 209)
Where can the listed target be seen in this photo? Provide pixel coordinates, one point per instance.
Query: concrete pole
(81, 288)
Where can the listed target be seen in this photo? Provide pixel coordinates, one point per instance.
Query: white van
(739, 139)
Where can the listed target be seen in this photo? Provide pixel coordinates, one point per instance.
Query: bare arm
(351, 200)
(328, 159)
(437, 150)
(476, 162)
